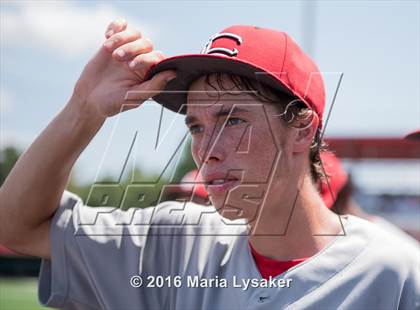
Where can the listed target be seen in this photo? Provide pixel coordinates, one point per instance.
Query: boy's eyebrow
(223, 112)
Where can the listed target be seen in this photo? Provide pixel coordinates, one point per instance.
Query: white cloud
(64, 27)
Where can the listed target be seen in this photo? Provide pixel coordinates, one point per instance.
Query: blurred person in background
(413, 136)
(337, 191)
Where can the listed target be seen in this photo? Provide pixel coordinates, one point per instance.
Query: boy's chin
(230, 213)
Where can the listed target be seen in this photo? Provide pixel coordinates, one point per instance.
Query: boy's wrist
(86, 116)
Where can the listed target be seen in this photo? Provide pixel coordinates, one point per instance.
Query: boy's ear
(305, 135)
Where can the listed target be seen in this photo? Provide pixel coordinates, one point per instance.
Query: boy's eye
(194, 129)
(233, 121)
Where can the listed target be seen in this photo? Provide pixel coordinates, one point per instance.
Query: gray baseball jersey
(395, 231)
(189, 257)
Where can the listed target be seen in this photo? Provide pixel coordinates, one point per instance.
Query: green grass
(19, 293)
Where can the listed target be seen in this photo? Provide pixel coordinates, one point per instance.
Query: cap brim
(415, 135)
(190, 67)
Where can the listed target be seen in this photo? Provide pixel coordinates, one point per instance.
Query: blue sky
(44, 46)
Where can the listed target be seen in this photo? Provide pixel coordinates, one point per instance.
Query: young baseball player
(254, 104)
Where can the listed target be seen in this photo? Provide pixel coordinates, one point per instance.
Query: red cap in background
(193, 183)
(336, 178)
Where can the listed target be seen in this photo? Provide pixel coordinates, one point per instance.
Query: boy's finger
(150, 88)
(132, 49)
(142, 63)
(115, 26)
(121, 38)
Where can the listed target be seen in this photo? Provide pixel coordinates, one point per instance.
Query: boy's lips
(217, 183)
(222, 187)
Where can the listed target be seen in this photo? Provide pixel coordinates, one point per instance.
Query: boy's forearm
(36, 183)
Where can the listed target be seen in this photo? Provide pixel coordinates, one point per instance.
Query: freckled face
(236, 144)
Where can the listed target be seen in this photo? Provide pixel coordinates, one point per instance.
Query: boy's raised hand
(113, 80)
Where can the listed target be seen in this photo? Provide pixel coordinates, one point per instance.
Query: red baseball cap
(415, 135)
(336, 178)
(268, 56)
